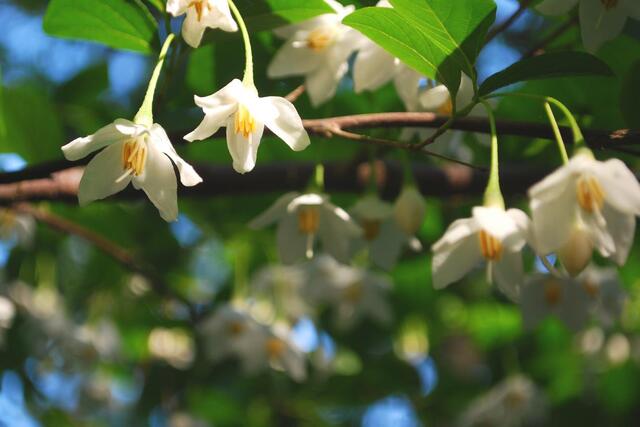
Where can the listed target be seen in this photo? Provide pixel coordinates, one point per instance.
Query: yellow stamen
(308, 220)
(490, 247)
(590, 194)
(353, 293)
(609, 4)
(235, 328)
(371, 229)
(199, 6)
(319, 39)
(245, 124)
(275, 347)
(134, 156)
(552, 292)
(446, 109)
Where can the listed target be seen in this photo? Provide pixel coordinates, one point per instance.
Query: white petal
(322, 83)
(177, 7)
(599, 25)
(116, 131)
(621, 227)
(621, 188)
(335, 232)
(274, 212)
(386, 248)
(508, 274)
(159, 183)
(373, 67)
(556, 7)
(407, 84)
(220, 17)
(434, 98)
(100, 178)
(292, 244)
(294, 60)
(230, 94)
(192, 28)
(308, 199)
(214, 119)
(244, 151)
(453, 262)
(282, 118)
(188, 176)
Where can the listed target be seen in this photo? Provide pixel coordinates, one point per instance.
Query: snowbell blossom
(284, 287)
(492, 235)
(201, 14)
(318, 49)
(604, 287)
(409, 210)
(18, 226)
(304, 217)
(238, 107)
(600, 20)
(134, 153)
(585, 205)
(564, 298)
(381, 235)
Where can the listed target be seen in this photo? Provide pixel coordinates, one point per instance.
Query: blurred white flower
(303, 217)
(380, 234)
(136, 153)
(600, 20)
(18, 226)
(175, 346)
(317, 49)
(284, 287)
(583, 205)
(245, 115)
(7, 313)
(201, 14)
(353, 293)
(231, 331)
(565, 298)
(514, 402)
(409, 210)
(491, 234)
(604, 287)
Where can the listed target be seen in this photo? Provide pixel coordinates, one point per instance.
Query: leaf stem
(144, 116)
(557, 133)
(248, 53)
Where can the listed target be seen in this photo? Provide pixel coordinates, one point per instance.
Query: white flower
(583, 205)
(303, 217)
(238, 108)
(231, 331)
(18, 226)
(135, 153)
(515, 402)
(353, 293)
(284, 287)
(381, 235)
(605, 289)
(317, 49)
(7, 312)
(409, 210)
(201, 14)
(565, 298)
(600, 20)
(491, 234)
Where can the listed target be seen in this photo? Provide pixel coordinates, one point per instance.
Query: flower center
(371, 229)
(552, 292)
(446, 109)
(245, 124)
(353, 293)
(592, 289)
(275, 347)
(134, 156)
(308, 220)
(590, 194)
(235, 328)
(490, 246)
(319, 39)
(576, 253)
(199, 6)
(609, 4)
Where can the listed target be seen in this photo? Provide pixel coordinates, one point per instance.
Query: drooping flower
(600, 20)
(245, 115)
(284, 287)
(353, 293)
(304, 217)
(131, 153)
(491, 234)
(381, 235)
(585, 205)
(409, 210)
(564, 298)
(317, 49)
(605, 289)
(201, 14)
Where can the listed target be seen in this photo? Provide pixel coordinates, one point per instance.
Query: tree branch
(524, 4)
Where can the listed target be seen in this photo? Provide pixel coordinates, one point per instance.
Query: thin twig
(295, 94)
(524, 4)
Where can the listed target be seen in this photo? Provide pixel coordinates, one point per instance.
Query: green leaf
(437, 38)
(120, 24)
(629, 102)
(550, 65)
(265, 15)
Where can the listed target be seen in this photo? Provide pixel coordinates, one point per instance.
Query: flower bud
(576, 253)
(409, 210)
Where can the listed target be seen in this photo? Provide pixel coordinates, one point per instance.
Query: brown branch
(524, 4)
(106, 246)
(295, 94)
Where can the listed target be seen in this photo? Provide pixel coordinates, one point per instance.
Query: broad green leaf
(550, 65)
(629, 97)
(265, 15)
(120, 24)
(401, 38)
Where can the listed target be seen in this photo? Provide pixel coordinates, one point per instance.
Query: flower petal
(230, 94)
(621, 188)
(116, 131)
(599, 25)
(336, 231)
(282, 118)
(621, 227)
(276, 211)
(177, 7)
(159, 183)
(386, 248)
(220, 17)
(100, 178)
(373, 67)
(192, 28)
(323, 82)
(214, 119)
(244, 151)
(451, 264)
(294, 60)
(508, 274)
(188, 176)
(292, 245)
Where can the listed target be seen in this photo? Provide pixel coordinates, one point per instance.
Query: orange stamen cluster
(590, 194)
(319, 39)
(245, 124)
(490, 247)
(134, 156)
(308, 220)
